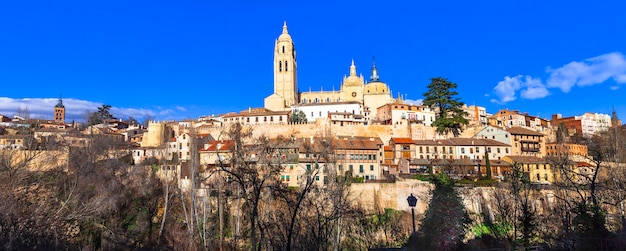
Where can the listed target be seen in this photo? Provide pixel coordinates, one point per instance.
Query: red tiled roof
(522, 131)
(402, 140)
(583, 164)
(217, 145)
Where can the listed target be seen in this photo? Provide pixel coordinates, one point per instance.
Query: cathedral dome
(376, 87)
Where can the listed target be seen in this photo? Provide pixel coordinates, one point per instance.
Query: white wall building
(315, 111)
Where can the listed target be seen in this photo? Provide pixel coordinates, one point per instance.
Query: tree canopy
(450, 116)
(98, 117)
(298, 117)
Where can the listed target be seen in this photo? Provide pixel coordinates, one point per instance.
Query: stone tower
(59, 112)
(285, 74)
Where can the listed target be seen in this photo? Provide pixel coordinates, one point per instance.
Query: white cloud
(614, 88)
(534, 89)
(591, 71)
(506, 90)
(75, 109)
(413, 102)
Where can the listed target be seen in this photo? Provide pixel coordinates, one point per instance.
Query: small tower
(615, 121)
(59, 112)
(374, 76)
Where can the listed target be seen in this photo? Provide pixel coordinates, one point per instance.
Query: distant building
(585, 125)
(399, 113)
(59, 112)
(523, 141)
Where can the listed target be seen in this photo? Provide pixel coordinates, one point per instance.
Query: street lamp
(412, 202)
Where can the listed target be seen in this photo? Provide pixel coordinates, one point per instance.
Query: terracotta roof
(217, 145)
(523, 131)
(476, 142)
(357, 144)
(402, 140)
(434, 142)
(583, 164)
(256, 112)
(329, 103)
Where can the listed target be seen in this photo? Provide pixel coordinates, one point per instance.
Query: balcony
(530, 149)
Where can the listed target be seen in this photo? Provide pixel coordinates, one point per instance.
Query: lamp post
(412, 202)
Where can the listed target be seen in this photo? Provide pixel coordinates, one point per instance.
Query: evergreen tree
(443, 227)
(442, 97)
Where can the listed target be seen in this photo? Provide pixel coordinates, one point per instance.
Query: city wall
(378, 196)
(323, 128)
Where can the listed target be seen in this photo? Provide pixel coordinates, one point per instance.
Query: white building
(314, 111)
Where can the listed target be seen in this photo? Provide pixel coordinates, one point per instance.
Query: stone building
(371, 95)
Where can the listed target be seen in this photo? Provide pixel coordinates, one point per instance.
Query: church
(371, 95)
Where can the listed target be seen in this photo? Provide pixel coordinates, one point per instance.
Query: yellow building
(536, 170)
(372, 95)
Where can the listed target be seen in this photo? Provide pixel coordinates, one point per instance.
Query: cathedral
(371, 95)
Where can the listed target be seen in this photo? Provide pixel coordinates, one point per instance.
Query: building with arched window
(353, 87)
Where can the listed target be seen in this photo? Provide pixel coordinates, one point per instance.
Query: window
(280, 65)
(283, 49)
(351, 168)
(308, 167)
(361, 169)
(371, 167)
(287, 177)
(286, 66)
(317, 177)
(339, 167)
(462, 150)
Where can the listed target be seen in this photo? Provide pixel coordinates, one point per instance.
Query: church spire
(60, 104)
(285, 28)
(352, 69)
(374, 77)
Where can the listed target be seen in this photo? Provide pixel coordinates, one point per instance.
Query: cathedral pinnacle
(374, 77)
(285, 28)
(352, 69)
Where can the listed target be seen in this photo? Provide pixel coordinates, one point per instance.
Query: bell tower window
(283, 49)
(286, 66)
(280, 65)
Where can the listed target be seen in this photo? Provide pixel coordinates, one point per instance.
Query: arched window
(283, 49)
(280, 65)
(286, 66)
(304, 100)
(327, 100)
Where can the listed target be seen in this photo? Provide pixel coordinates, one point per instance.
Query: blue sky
(184, 59)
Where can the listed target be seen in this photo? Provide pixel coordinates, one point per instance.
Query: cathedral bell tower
(59, 112)
(285, 69)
